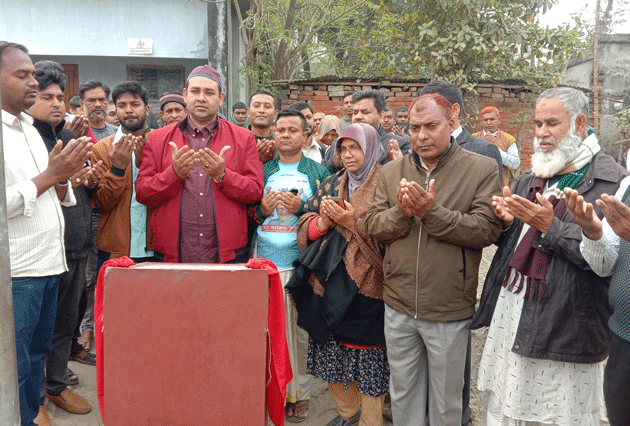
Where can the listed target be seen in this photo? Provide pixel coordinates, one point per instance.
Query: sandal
(84, 357)
(73, 379)
(292, 418)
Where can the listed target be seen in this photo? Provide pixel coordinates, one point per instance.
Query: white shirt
(313, 151)
(456, 132)
(509, 158)
(36, 224)
(602, 254)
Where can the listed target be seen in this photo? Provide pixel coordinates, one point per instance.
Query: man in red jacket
(196, 176)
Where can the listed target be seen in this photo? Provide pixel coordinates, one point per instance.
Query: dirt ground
(322, 407)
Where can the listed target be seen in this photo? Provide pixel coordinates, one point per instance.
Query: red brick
(306, 93)
(304, 98)
(321, 98)
(320, 92)
(403, 94)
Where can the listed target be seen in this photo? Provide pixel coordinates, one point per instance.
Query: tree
(614, 13)
(459, 40)
(280, 36)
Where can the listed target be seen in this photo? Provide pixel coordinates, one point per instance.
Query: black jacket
(571, 322)
(480, 146)
(78, 218)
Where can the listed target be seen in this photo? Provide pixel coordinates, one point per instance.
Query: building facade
(155, 42)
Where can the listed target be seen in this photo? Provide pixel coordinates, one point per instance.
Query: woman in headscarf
(329, 129)
(337, 284)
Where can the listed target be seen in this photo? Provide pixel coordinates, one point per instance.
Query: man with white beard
(547, 310)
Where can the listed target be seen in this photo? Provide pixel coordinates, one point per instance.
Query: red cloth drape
(121, 262)
(279, 372)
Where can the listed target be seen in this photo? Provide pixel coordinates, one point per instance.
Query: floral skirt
(336, 363)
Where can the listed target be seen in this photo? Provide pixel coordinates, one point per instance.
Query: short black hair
(402, 109)
(388, 109)
(74, 101)
(132, 87)
(93, 84)
(6, 45)
(265, 92)
(239, 105)
(301, 106)
(376, 95)
(292, 112)
(49, 73)
(345, 95)
(450, 91)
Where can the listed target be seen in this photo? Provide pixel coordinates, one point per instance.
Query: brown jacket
(431, 264)
(114, 198)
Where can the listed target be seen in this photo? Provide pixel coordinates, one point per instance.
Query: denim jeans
(34, 310)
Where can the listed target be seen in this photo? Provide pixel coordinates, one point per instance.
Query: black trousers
(617, 382)
(71, 284)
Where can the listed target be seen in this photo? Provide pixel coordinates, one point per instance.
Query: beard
(133, 126)
(549, 164)
(96, 116)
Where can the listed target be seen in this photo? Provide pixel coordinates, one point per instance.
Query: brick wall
(515, 103)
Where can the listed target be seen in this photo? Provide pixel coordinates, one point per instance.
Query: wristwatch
(220, 179)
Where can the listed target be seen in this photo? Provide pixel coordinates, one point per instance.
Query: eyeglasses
(353, 150)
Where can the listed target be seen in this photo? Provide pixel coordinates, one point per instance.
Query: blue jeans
(34, 310)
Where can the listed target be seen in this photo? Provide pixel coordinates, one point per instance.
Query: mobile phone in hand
(338, 200)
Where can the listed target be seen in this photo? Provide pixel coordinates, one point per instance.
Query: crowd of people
(375, 220)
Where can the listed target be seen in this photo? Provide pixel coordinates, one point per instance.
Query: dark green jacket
(315, 172)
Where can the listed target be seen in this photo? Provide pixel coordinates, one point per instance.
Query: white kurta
(535, 390)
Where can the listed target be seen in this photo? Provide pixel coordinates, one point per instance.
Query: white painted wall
(112, 71)
(179, 28)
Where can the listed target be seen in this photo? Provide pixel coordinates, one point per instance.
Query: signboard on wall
(140, 46)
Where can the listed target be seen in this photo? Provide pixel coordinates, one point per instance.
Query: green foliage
(462, 41)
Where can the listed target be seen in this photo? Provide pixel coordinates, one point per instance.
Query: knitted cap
(171, 97)
(208, 72)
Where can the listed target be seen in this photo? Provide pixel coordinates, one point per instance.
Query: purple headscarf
(370, 142)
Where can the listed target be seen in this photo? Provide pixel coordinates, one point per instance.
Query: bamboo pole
(596, 68)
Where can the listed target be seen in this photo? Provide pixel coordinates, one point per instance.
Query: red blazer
(159, 188)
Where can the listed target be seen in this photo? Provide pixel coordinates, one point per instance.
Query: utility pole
(9, 393)
(596, 68)
(218, 12)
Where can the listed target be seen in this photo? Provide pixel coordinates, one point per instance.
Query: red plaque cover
(185, 345)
